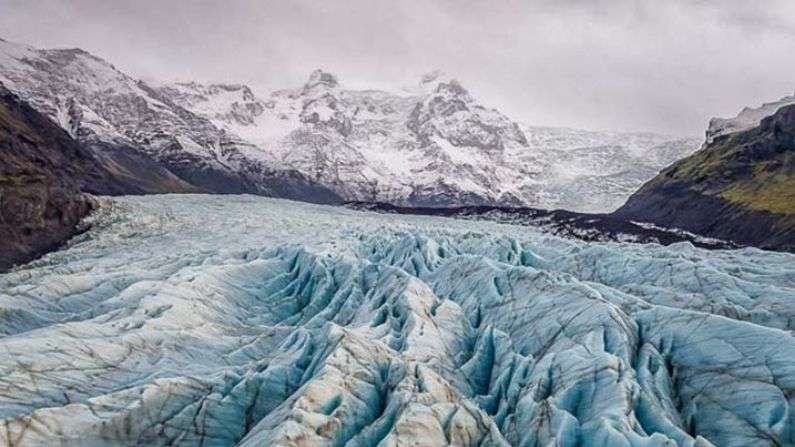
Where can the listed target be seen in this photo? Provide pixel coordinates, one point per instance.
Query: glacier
(244, 320)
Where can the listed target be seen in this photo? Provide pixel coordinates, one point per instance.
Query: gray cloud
(623, 64)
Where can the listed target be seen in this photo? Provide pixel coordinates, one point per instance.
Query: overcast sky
(665, 66)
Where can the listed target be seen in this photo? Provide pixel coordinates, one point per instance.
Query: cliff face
(739, 187)
(42, 174)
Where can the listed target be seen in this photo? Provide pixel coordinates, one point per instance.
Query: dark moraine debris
(587, 227)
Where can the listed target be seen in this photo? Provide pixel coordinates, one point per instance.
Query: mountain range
(133, 129)
(430, 145)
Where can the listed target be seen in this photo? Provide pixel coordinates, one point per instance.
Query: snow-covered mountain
(438, 146)
(120, 118)
(433, 144)
(590, 171)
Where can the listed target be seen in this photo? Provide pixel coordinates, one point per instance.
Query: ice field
(242, 320)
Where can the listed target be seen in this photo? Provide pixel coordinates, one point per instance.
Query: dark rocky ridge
(583, 226)
(739, 187)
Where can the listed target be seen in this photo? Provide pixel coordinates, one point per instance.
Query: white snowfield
(241, 320)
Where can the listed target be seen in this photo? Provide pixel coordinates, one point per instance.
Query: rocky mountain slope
(43, 173)
(276, 323)
(129, 125)
(739, 187)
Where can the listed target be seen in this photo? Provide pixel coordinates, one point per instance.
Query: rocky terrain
(582, 226)
(43, 173)
(748, 118)
(270, 322)
(739, 187)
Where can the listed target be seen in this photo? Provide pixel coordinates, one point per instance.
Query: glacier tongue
(241, 320)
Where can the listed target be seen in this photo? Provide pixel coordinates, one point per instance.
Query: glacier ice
(242, 320)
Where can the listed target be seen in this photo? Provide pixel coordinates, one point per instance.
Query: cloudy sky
(665, 66)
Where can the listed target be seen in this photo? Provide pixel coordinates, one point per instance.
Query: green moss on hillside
(755, 169)
(775, 194)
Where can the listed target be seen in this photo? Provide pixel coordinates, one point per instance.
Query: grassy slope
(741, 187)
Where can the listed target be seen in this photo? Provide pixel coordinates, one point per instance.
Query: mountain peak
(434, 77)
(438, 81)
(321, 77)
(748, 118)
(216, 87)
(68, 55)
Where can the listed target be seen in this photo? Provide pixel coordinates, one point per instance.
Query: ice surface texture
(432, 145)
(224, 320)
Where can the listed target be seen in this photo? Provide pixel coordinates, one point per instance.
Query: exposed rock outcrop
(748, 118)
(42, 173)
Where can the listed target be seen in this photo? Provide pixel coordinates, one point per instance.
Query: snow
(242, 320)
(590, 171)
(190, 146)
(435, 142)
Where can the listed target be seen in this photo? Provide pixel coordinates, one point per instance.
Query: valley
(364, 255)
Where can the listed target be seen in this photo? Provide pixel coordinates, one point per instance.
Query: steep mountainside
(122, 119)
(436, 146)
(739, 187)
(42, 174)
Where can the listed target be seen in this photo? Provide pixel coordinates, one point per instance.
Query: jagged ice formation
(241, 320)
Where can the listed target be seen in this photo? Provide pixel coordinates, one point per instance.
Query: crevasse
(241, 320)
